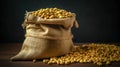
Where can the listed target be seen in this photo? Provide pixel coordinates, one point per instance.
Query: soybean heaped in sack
(48, 34)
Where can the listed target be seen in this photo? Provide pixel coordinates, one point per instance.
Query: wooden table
(8, 50)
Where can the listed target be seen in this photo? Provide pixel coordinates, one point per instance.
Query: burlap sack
(46, 37)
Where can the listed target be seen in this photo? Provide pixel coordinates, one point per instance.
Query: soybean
(94, 53)
(50, 13)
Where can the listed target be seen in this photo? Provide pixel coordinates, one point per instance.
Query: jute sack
(46, 37)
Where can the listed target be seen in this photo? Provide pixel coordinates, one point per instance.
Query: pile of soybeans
(95, 53)
(50, 13)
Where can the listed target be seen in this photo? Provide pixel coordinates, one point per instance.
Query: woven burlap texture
(46, 37)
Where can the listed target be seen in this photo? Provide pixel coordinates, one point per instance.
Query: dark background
(98, 19)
